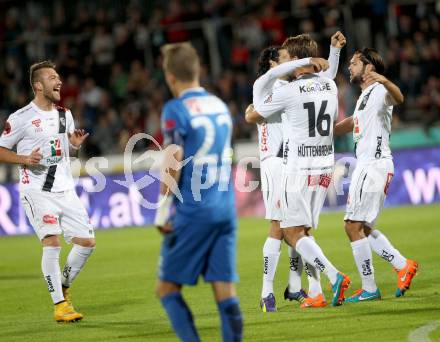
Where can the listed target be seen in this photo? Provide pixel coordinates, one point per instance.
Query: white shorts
(368, 189)
(53, 213)
(303, 198)
(271, 173)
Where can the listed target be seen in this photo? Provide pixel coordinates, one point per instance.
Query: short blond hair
(301, 46)
(34, 73)
(181, 60)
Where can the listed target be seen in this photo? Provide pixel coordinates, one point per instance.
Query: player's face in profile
(357, 69)
(51, 82)
(283, 56)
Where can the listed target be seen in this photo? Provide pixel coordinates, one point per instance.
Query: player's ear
(369, 67)
(38, 86)
(272, 63)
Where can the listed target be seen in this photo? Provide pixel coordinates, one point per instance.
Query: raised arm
(338, 41)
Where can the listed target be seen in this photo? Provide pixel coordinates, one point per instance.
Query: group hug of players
(295, 106)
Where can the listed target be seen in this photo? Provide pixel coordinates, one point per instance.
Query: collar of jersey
(191, 90)
(370, 86)
(38, 109)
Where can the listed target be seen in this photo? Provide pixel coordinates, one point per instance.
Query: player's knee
(164, 288)
(90, 243)
(51, 241)
(354, 230)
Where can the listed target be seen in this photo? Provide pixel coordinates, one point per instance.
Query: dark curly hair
(371, 56)
(270, 53)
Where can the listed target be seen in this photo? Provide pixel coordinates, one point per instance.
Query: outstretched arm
(343, 127)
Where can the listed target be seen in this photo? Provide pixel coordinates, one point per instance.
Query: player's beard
(52, 96)
(356, 79)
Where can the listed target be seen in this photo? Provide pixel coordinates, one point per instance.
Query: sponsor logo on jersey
(55, 147)
(36, 122)
(268, 99)
(378, 153)
(320, 180)
(286, 152)
(50, 219)
(314, 86)
(264, 147)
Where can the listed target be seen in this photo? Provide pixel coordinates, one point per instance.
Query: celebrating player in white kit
(371, 126)
(308, 156)
(273, 74)
(43, 134)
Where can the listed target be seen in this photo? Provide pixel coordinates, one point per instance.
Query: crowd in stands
(108, 54)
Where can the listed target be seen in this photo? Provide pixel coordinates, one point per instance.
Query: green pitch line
(115, 291)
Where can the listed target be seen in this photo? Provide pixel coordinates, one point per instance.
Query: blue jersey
(201, 123)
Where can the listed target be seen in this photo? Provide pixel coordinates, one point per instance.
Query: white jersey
(310, 106)
(372, 124)
(270, 132)
(30, 128)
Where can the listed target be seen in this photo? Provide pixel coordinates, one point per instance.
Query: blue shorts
(195, 248)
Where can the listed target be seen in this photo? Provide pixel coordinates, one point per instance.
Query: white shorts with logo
(368, 189)
(271, 173)
(54, 213)
(303, 198)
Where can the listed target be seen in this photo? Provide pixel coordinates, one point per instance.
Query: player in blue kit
(200, 237)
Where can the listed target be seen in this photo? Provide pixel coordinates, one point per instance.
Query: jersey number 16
(318, 124)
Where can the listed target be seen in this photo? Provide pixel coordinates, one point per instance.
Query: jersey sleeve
(333, 62)
(13, 132)
(173, 124)
(274, 103)
(263, 85)
(70, 122)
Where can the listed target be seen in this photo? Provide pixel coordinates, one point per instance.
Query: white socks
(313, 255)
(364, 262)
(313, 277)
(50, 265)
(75, 262)
(271, 254)
(296, 267)
(383, 247)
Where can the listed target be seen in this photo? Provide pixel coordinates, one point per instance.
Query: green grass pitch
(115, 291)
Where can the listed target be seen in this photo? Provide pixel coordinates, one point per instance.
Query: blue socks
(232, 322)
(180, 317)
(183, 323)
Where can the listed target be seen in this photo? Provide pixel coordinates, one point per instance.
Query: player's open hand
(34, 158)
(78, 137)
(338, 40)
(371, 77)
(319, 64)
